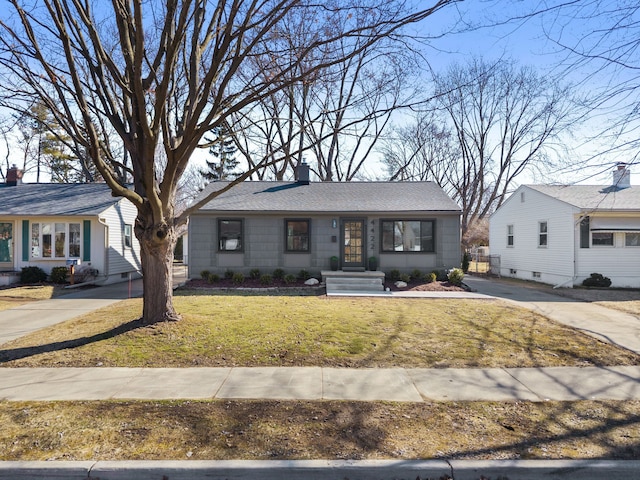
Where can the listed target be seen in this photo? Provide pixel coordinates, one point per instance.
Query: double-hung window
(230, 236)
(55, 240)
(128, 235)
(408, 235)
(509, 235)
(298, 235)
(542, 234)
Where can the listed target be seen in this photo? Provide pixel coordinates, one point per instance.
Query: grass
(360, 332)
(181, 430)
(315, 331)
(627, 306)
(16, 296)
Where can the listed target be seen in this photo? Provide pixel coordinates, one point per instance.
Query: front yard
(256, 330)
(315, 331)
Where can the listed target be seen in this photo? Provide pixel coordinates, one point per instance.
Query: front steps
(346, 283)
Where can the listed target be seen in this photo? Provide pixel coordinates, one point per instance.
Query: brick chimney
(14, 176)
(621, 176)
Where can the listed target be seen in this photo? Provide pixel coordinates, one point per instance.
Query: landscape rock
(312, 281)
(401, 284)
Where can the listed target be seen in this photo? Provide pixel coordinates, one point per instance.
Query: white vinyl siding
(120, 259)
(553, 262)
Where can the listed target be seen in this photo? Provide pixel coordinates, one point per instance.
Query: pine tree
(223, 149)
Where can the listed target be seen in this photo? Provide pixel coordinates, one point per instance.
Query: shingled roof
(593, 197)
(331, 197)
(55, 199)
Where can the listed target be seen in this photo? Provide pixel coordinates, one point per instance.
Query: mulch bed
(250, 283)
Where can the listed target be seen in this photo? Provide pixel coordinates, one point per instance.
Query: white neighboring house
(52, 225)
(560, 235)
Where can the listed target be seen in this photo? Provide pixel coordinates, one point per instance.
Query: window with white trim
(632, 239)
(509, 235)
(55, 240)
(128, 235)
(602, 239)
(542, 234)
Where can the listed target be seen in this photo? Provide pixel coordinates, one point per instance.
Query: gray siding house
(301, 225)
(51, 225)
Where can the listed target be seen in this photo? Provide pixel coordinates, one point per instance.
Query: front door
(6, 246)
(353, 243)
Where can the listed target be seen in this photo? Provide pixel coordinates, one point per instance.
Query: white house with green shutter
(51, 225)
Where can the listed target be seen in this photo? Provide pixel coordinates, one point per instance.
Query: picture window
(408, 235)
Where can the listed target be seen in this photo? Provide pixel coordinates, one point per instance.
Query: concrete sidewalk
(317, 383)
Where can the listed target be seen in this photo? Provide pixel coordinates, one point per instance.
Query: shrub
(597, 280)
(204, 274)
(416, 274)
(304, 275)
(32, 275)
(228, 274)
(441, 275)
(238, 278)
(429, 277)
(59, 274)
(466, 260)
(278, 274)
(266, 279)
(394, 275)
(213, 278)
(289, 278)
(405, 277)
(455, 276)
(255, 274)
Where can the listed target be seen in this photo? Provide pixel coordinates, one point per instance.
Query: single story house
(561, 234)
(300, 225)
(51, 225)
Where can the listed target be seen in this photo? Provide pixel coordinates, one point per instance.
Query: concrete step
(353, 284)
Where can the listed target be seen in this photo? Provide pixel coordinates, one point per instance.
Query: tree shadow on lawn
(10, 355)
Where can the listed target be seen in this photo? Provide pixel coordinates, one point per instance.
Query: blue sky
(495, 29)
(480, 28)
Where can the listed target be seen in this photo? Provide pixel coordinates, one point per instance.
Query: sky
(481, 28)
(496, 29)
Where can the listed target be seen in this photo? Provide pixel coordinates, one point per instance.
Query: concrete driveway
(606, 324)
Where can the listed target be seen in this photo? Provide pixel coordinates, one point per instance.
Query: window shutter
(26, 238)
(86, 240)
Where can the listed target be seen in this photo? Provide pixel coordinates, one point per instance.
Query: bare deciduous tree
(160, 75)
(495, 122)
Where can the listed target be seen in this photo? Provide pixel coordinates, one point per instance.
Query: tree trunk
(156, 251)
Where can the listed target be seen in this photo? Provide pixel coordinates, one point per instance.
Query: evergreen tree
(223, 149)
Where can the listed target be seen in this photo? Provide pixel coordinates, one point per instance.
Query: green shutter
(86, 241)
(26, 237)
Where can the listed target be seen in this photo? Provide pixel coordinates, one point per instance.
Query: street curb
(323, 470)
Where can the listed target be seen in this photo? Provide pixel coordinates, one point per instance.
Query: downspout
(103, 222)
